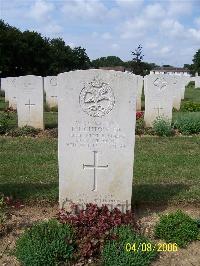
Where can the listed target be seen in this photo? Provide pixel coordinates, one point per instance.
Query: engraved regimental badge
(97, 98)
(161, 83)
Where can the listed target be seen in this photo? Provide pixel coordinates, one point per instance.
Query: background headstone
(51, 90)
(12, 92)
(177, 91)
(139, 92)
(185, 81)
(197, 82)
(30, 101)
(8, 85)
(158, 98)
(96, 125)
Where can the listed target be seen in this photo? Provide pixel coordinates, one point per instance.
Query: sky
(168, 30)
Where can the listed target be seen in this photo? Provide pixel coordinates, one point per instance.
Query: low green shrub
(140, 126)
(189, 124)
(115, 251)
(4, 122)
(162, 127)
(190, 107)
(45, 243)
(24, 131)
(177, 228)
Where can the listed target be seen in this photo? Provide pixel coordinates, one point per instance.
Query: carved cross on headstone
(29, 104)
(158, 109)
(95, 166)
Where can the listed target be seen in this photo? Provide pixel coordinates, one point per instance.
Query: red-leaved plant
(139, 115)
(93, 226)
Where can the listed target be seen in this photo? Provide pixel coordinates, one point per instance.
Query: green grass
(3, 105)
(165, 170)
(50, 119)
(177, 115)
(192, 94)
(28, 168)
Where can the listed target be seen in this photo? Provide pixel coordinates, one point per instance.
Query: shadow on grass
(30, 191)
(157, 194)
(51, 125)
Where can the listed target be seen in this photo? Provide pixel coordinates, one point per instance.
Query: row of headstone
(11, 87)
(96, 128)
(162, 93)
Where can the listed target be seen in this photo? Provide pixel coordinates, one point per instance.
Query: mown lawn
(165, 170)
(3, 105)
(192, 94)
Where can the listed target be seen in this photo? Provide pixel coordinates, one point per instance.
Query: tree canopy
(28, 52)
(109, 61)
(195, 67)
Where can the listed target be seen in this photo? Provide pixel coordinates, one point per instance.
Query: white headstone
(51, 90)
(96, 125)
(9, 86)
(139, 92)
(197, 82)
(177, 91)
(158, 98)
(30, 101)
(185, 81)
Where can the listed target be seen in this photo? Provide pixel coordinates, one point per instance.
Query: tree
(61, 57)
(109, 61)
(10, 50)
(195, 67)
(35, 54)
(28, 52)
(137, 66)
(81, 59)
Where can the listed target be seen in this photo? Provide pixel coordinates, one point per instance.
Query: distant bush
(115, 251)
(162, 127)
(190, 107)
(177, 228)
(45, 243)
(54, 109)
(189, 124)
(2, 93)
(191, 84)
(24, 131)
(47, 108)
(4, 122)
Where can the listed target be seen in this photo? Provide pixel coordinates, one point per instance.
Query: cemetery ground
(166, 178)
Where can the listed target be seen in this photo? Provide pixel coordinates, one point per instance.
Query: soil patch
(24, 217)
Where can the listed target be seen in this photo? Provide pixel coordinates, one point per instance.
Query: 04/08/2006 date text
(147, 247)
